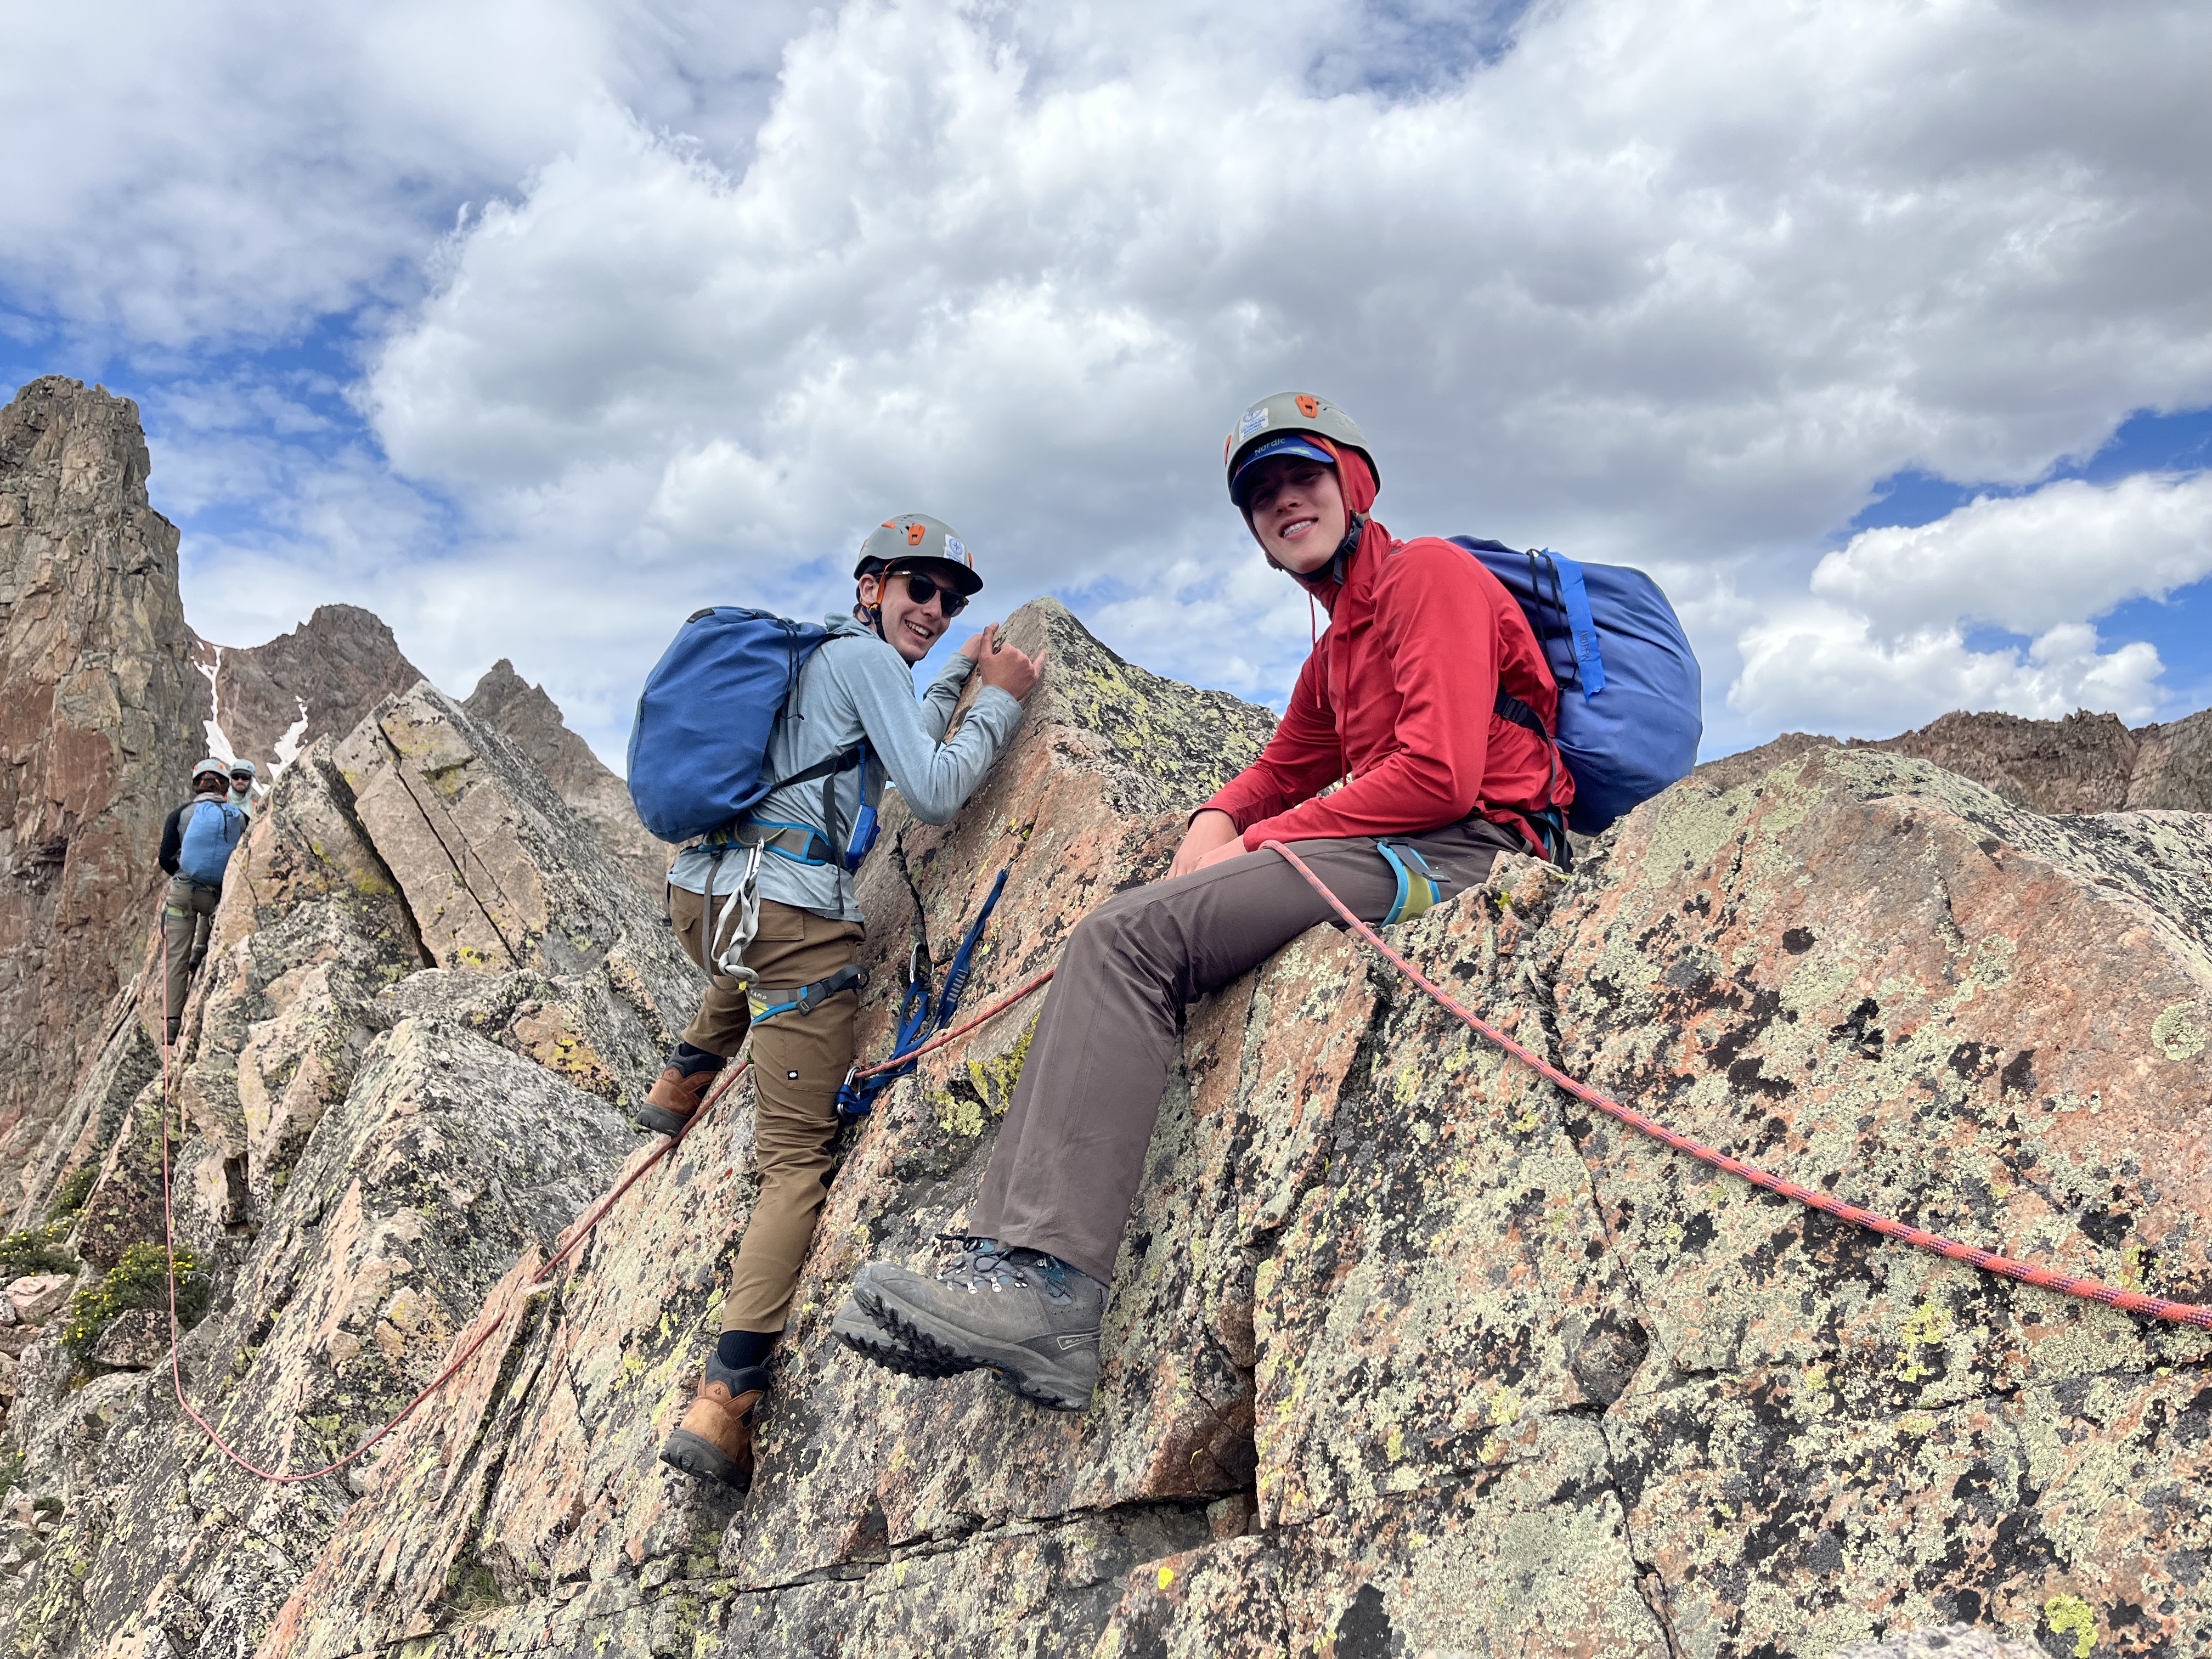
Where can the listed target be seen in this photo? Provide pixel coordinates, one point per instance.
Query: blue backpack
(1630, 709)
(706, 715)
(212, 830)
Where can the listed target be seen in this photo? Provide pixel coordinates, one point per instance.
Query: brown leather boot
(714, 1441)
(673, 1101)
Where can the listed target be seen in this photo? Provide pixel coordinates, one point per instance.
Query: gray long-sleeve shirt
(856, 688)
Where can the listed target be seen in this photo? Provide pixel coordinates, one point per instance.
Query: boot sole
(700, 1459)
(871, 1342)
(918, 1345)
(662, 1119)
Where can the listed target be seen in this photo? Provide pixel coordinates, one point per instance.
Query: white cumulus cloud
(1884, 643)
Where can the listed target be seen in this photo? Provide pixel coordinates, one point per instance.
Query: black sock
(740, 1349)
(691, 1062)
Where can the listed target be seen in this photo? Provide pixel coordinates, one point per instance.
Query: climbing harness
(806, 999)
(1419, 888)
(855, 1097)
(916, 1017)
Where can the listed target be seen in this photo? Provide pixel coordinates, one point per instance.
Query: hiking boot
(169, 1031)
(714, 1441)
(857, 1329)
(1028, 1316)
(674, 1100)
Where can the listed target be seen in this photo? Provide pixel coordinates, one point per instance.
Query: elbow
(937, 813)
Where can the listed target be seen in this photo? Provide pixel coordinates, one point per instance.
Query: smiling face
(1295, 509)
(911, 628)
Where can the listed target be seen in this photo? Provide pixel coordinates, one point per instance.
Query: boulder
(1407, 1351)
(36, 1295)
(136, 1340)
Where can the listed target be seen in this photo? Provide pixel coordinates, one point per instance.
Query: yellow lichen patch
(1928, 1326)
(1166, 1578)
(994, 1080)
(956, 1116)
(2070, 1615)
(2177, 1033)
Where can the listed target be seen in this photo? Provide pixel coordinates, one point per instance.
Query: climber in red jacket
(1397, 706)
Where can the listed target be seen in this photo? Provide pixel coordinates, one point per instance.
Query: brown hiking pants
(186, 922)
(1071, 1151)
(798, 1060)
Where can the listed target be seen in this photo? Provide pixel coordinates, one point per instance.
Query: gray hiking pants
(186, 922)
(1071, 1151)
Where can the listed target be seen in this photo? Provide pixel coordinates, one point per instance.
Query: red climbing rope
(940, 1040)
(169, 1242)
(2025, 1271)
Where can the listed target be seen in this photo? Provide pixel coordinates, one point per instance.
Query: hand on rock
(1012, 670)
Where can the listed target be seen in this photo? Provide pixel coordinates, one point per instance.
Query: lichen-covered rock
(1409, 1352)
(99, 717)
(531, 720)
(362, 1145)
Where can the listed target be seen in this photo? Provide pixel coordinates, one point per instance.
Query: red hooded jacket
(1399, 694)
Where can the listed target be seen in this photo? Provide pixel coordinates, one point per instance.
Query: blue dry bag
(1631, 703)
(706, 714)
(212, 832)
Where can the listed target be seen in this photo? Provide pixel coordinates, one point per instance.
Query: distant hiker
(1395, 703)
(197, 841)
(849, 721)
(246, 792)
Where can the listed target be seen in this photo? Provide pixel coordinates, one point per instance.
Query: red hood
(1356, 479)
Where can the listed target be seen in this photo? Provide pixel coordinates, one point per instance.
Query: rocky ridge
(270, 701)
(531, 720)
(2084, 764)
(98, 715)
(1407, 1352)
(430, 1002)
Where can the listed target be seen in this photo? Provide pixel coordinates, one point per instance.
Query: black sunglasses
(922, 589)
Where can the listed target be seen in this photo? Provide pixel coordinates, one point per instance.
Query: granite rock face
(2084, 764)
(531, 721)
(1409, 1352)
(99, 719)
(428, 1002)
(270, 702)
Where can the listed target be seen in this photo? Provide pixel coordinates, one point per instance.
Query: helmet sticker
(956, 548)
(1309, 407)
(1256, 420)
(914, 532)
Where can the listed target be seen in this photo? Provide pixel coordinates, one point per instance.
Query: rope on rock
(2026, 1273)
(578, 1232)
(590, 1219)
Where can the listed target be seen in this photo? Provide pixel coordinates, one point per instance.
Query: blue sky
(1877, 332)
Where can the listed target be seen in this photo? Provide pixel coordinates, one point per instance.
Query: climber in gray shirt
(786, 973)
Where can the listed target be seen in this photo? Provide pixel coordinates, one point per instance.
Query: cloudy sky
(1879, 332)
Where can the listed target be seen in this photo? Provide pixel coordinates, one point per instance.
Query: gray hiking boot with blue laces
(1026, 1315)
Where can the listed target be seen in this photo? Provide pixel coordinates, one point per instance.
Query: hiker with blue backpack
(197, 841)
(771, 743)
(1435, 708)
